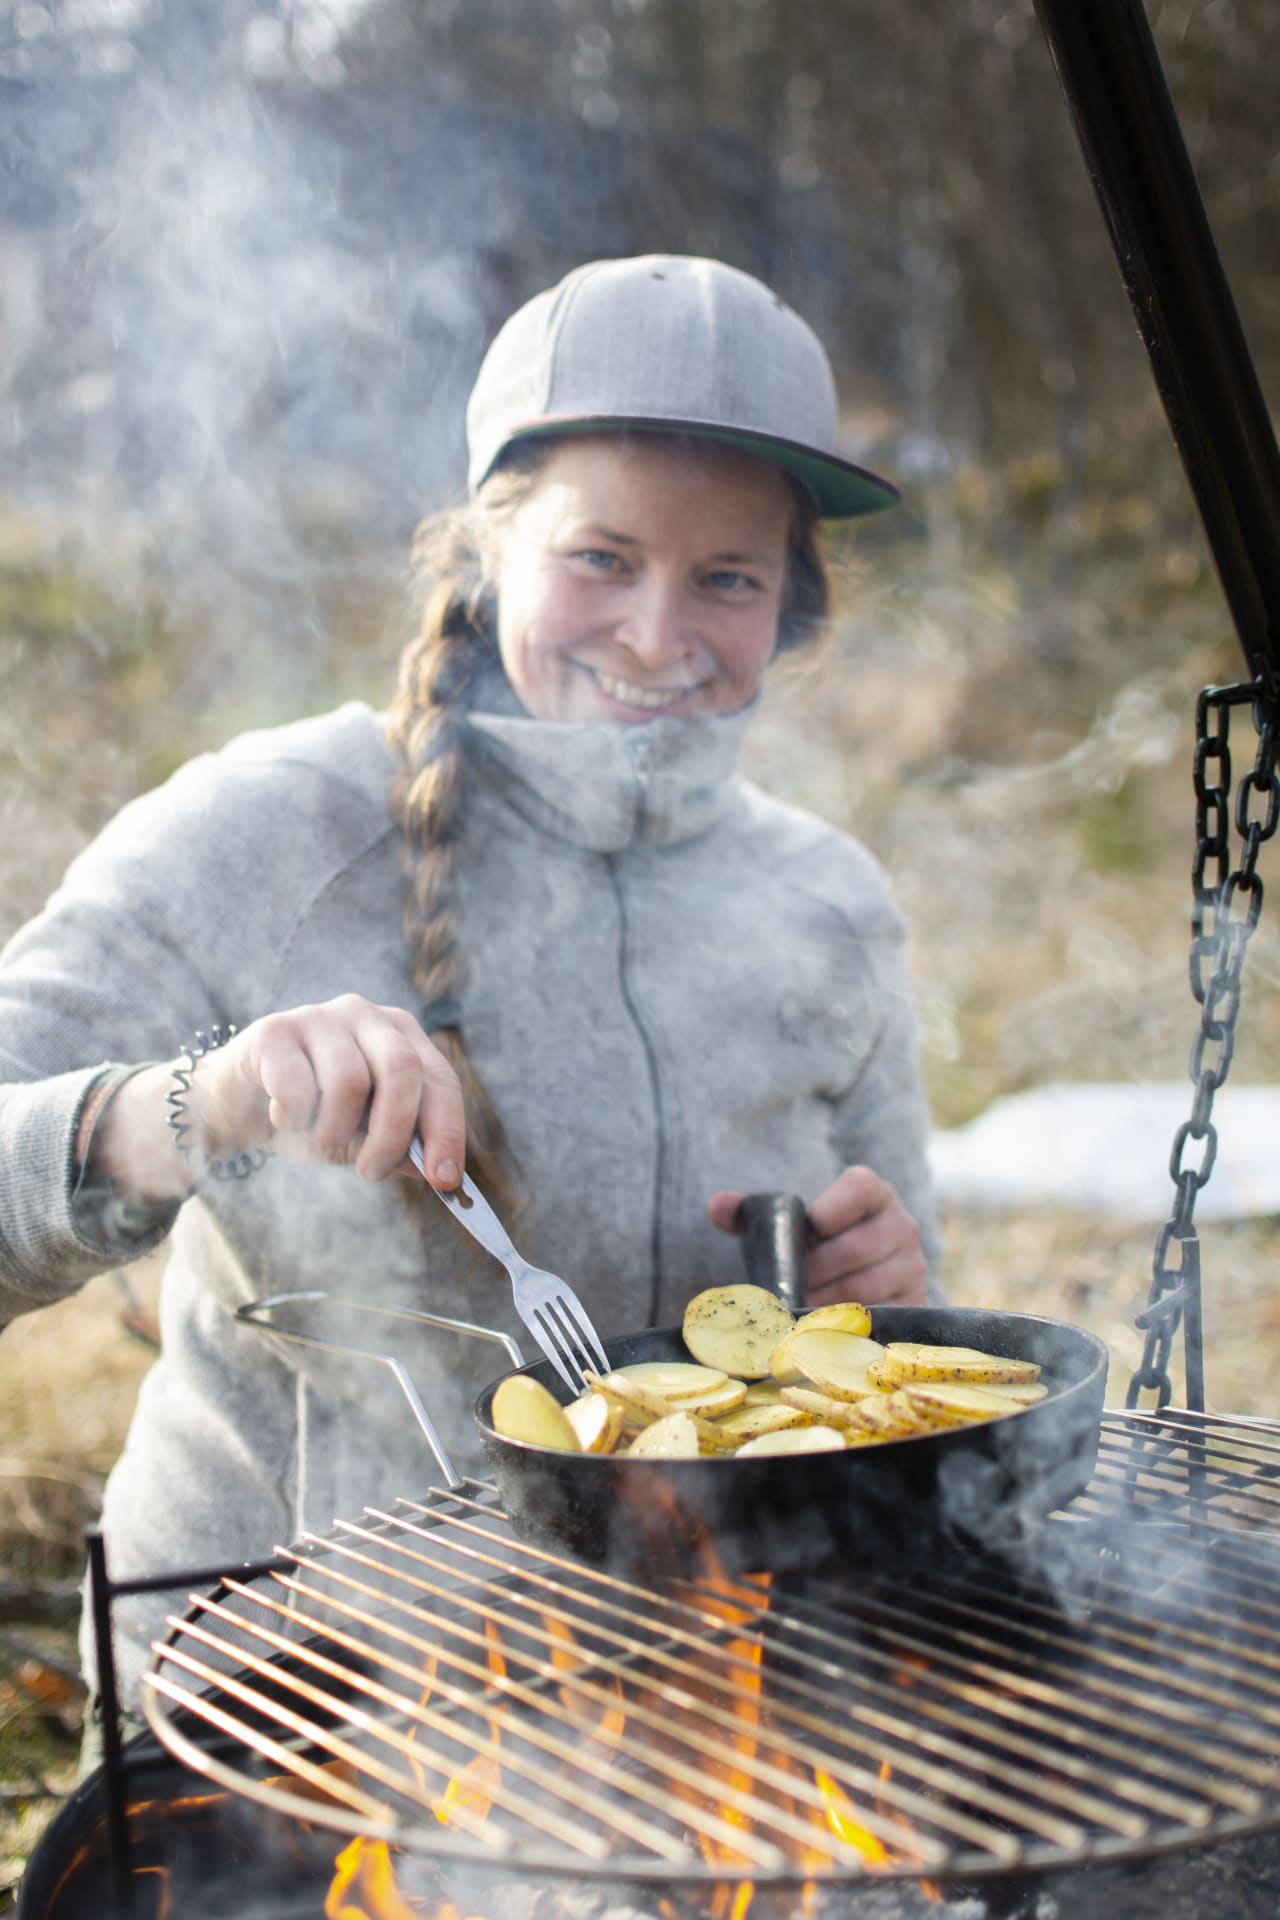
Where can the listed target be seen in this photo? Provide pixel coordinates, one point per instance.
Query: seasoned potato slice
(842, 1316)
(674, 1437)
(954, 1405)
(761, 1393)
(829, 1412)
(782, 1362)
(783, 1373)
(966, 1366)
(635, 1400)
(748, 1422)
(673, 1379)
(523, 1409)
(736, 1329)
(596, 1420)
(1018, 1393)
(793, 1440)
(891, 1414)
(711, 1402)
(835, 1363)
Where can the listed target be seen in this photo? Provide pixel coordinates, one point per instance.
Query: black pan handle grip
(774, 1234)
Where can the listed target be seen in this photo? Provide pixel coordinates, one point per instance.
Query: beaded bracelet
(240, 1165)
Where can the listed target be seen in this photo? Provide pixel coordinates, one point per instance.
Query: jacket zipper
(642, 752)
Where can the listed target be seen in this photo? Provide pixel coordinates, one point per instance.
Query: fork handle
(467, 1204)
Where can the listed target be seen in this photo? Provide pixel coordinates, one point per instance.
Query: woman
(572, 948)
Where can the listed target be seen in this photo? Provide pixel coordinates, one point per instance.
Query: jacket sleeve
(114, 970)
(882, 1121)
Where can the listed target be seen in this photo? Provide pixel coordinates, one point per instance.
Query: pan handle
(774, 1230)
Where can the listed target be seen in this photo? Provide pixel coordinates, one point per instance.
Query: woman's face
(638, 578)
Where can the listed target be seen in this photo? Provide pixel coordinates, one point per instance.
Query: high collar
(605, 786)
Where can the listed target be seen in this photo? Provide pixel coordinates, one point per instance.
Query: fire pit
(420, 1714)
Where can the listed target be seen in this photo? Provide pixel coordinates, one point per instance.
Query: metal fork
(548, 1306)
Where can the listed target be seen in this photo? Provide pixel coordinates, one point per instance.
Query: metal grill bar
(865, 1736)
(462, 1692)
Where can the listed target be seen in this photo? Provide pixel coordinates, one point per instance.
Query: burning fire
(364, 1885)
(723, 1793)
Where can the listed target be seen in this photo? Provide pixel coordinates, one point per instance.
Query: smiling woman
(533, 914)
(643, 577)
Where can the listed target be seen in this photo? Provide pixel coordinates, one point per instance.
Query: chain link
(1226, 903)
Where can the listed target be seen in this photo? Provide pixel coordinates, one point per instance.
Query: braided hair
(440, 672)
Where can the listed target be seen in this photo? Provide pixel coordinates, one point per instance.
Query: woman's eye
(730, 580)
(598, 558)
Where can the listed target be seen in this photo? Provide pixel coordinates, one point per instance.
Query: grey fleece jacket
(675, 984)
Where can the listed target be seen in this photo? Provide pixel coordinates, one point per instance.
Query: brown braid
(439, 670)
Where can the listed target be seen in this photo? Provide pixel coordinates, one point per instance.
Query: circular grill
(423, 1678)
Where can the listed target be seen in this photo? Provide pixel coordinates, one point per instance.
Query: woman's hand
(864, 1245)
(345, 1083)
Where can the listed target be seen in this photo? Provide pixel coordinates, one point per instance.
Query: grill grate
(425, 1678)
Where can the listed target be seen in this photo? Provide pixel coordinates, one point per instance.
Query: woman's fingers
(345, 1082)
(867, 1246)
(441, 1121)
(722, 1211)
(864, 1245)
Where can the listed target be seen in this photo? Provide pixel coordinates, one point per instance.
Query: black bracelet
(240, 1165)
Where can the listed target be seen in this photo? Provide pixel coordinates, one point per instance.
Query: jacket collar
(604, 786)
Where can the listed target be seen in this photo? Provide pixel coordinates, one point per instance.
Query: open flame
(364, 1885)
(843, 1822)
(878, 1832)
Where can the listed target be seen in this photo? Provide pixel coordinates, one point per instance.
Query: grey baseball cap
(666, 343)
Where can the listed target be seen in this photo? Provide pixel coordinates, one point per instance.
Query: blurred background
(250, 257)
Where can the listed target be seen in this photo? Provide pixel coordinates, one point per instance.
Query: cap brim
(840, 490)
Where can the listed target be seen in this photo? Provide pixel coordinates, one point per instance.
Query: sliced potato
(523, 1409)
(887, 1373)
(782, 1364)
(736, 1329)
(957, 1405)
(783, 1373)
(712, 1401)
(828, 1412)
(967, 1366)
(673, 1379)
(637, 1400)
(891, 1414)
(1019, 1393)
(794, 1440)
(674, 1437)
(842, 1316)
(835, 1363)
(748, 1422)
(596, 1420)
(761, 1393)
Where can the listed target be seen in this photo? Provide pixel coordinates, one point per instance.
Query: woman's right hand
(344, 1083)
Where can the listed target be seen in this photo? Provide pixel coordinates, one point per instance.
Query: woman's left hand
(864, 1244)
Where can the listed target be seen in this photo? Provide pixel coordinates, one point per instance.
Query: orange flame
(364, 1885)
(472, 1789)
(732, 1901)
(842, 1820)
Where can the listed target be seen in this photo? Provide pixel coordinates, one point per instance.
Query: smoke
(237, 323)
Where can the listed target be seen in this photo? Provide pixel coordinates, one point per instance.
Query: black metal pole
(1125, 120)
(119, 1846)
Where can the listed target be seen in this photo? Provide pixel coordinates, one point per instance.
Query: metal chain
(1225, 908)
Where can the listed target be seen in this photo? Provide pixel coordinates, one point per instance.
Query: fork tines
(569, 1341)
